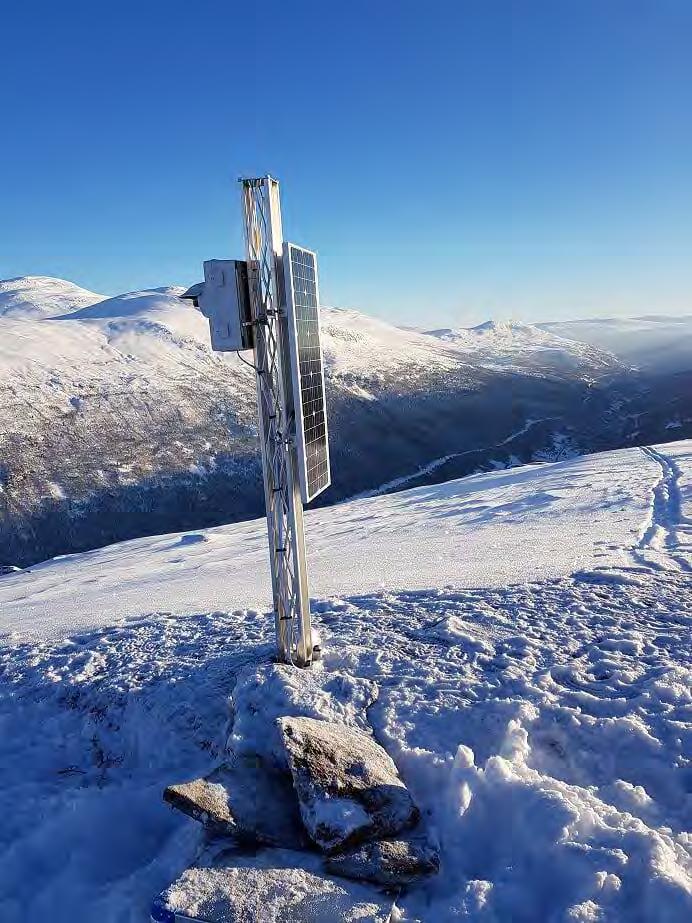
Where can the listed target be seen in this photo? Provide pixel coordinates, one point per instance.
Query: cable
(249, 364)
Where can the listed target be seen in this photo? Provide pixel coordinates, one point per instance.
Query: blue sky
(450, 161)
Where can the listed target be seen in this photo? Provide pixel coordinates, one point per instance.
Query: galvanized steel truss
(264, 242)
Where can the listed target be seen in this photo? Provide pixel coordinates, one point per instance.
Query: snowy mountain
(528, 634)
(116, 419)
(655, 344)
(33, 297)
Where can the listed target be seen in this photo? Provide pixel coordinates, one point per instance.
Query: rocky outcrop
(303, 772)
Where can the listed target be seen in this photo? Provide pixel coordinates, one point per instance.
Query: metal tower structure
(277, 418)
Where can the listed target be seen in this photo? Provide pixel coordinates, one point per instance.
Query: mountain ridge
(117, 420)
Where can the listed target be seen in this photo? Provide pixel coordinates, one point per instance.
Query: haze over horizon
(503, 161)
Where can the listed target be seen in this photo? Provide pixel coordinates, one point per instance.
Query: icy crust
(272, 885)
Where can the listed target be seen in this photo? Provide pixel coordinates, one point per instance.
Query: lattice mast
(277, 424)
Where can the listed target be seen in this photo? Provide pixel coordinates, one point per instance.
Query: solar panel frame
(307, 369)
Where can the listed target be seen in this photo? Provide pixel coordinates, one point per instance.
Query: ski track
(545, 729)
(661, 532)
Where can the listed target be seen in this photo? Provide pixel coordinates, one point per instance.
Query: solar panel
(302, 300)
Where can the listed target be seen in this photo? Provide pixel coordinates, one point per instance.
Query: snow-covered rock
(271, 885)
(392, 863)
(246, 799)
(348, 787)
(270, 691)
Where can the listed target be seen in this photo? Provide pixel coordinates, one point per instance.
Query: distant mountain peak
(499, 328)
(504, 327)
(27, 297)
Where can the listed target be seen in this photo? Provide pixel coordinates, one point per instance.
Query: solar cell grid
(308, 371)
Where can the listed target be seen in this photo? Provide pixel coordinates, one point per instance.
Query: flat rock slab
(387, 862)
(270, 886)
(348, 786)
(246, 799)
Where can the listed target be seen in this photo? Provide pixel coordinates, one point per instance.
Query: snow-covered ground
(485, 530)
(529, 631)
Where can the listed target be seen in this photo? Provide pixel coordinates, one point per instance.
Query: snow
(356, 344)
(117, 420)
(101, 338)
(527, 630)
(341, 814)
(564, 517)
(272, 886)
(159, 311)
(81, 335)
(73, 331)
(497, 344)
(33, 297)
(353, 343)
(271, 691)
(397, 483)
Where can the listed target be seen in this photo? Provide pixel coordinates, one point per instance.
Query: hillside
(33, 297)
(528, 635)
(116, 419)
(657, 343)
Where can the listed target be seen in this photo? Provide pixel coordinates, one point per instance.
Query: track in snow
(660, 544)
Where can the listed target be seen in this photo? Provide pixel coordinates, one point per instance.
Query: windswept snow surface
(486, 530)
(529, 632)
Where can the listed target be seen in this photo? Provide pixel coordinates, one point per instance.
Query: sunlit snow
(529, 632)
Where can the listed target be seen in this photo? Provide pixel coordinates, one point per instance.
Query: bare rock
(246, 799)
(275, 885)
(348, 786)
(387, 862)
